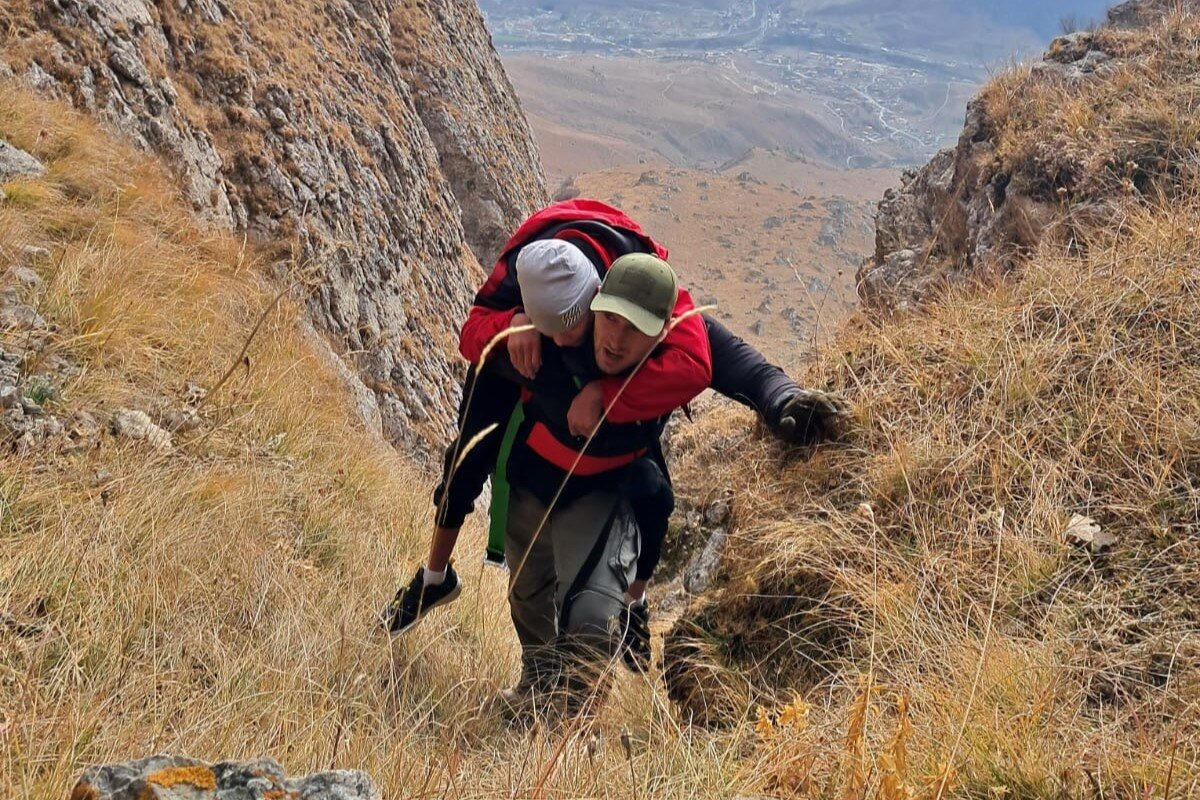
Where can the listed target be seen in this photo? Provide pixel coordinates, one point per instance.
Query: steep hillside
(989, 589)
(374, 145)
(1106, 121)
(196, 532)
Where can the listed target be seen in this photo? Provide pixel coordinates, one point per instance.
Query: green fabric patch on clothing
(498, 511)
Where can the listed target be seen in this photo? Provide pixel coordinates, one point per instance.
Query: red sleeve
(481, 327)
(678, 370)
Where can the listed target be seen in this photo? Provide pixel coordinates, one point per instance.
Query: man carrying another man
(580, 512)
(552, 478)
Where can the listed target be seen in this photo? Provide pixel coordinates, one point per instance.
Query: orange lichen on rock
(200, 777)
(85, 791)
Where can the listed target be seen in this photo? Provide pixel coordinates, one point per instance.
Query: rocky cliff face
(1043, 149)
(377, 146)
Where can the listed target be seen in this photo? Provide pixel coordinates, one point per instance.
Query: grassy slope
(218, 600)
(928, 554)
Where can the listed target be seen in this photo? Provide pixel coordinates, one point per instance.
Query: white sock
(433, 578)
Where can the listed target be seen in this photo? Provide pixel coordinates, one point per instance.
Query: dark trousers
(491, 400)
(569, 568)
(647, 489)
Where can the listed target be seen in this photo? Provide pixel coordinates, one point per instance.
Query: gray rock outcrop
(466, 102)
(377, 147)
(16, 163)
(168, 777)
(976, 210)
(1136, 13)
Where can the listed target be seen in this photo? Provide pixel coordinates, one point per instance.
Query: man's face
(619, 345)
(574, 335)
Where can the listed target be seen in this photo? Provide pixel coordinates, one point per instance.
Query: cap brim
(639, 317)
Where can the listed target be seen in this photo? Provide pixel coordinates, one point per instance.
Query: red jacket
(678, 369)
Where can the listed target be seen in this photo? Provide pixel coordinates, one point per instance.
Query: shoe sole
(450, 598)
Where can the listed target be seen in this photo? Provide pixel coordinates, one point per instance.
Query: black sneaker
(413, 602)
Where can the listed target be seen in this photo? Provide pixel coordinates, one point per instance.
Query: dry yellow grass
(1134, 130)
(219, 599)
(929, 552)
(927, 555)
(913, 585)
(916, 585)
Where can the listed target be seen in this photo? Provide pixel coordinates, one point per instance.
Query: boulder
(171, 777)
(16, 163)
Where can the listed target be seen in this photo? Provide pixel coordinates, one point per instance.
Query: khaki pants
(567, 623)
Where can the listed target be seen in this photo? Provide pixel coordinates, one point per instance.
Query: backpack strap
(498, 510)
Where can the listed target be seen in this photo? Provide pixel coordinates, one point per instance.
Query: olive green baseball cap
(641, 288)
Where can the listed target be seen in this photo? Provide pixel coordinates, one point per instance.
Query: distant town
(895, 88)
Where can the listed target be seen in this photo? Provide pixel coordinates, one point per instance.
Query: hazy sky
(1044, 16)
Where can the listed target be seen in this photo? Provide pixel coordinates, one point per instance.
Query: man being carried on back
(664, 382)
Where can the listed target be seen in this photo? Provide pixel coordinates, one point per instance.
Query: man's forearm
(742, 373)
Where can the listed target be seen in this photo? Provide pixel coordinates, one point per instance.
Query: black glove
(811, 416)
(635, 646)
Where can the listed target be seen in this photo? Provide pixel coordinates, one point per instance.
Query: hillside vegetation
(216, 595)
(953, 558)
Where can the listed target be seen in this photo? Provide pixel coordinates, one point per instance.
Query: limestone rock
(137, 426)
(700, 572)
(82, 431)
(169, 777)
(20, 317)
(968, 212)
(1071, 48)
(181, 420)
(377, 145)
(26, 277)
(10, 369)
(1137, 13)
(16, 163)
(32, 253)
(468, 106)
(10, 397)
